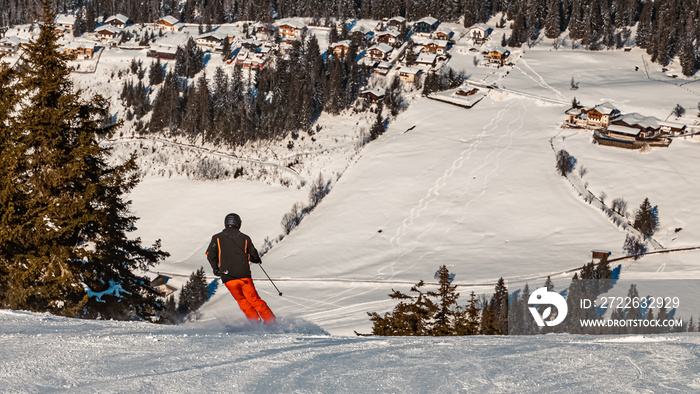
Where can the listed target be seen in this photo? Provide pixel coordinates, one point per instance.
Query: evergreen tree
(378, 125)
(194, 293)
(446, 315)
(156, 74)
(81, 263)
(646, 219)
(499, 308)
(410, 317)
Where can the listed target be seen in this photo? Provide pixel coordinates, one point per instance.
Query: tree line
(285, 96)
(667, 28)
(437, 312)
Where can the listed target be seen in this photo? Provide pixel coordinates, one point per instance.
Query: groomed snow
(46, 353)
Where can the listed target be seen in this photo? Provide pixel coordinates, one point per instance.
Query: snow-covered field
(46, 353)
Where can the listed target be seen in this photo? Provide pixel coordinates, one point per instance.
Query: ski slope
(475, 189)
(48, 353)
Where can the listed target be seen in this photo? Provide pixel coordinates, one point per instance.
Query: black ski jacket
(230, 253)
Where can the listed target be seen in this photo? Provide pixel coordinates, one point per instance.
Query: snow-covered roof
(480, 26)
(78, 44)
(108, 28)
(119, 17)
(213, 34)
(387, 33)
(344, 43)
(384, 65)
(426, 58)
(447, 31)
(297, 24)
(377, 91)
(623, 129)
(500, 50)
(429, 20)
(170, 19)
(164, 49)
(409, 70)
(382, 47)
(399, 19)
(439, 43)
(15, 41)
(636, 119)
(605, 108)
(65, 19)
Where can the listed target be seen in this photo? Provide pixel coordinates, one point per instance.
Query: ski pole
(268, 277)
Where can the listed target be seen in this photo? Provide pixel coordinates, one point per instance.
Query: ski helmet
(232, 220)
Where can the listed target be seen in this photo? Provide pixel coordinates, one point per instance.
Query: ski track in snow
(434, 192)
(509, 134)
(541, 82)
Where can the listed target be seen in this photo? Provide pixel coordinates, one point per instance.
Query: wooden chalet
(120, 21)
(387, 37)
(162, 52)
(435, 46)
(169, 23)
(600, 254)
(292, 30)
(341, 48)
(601, 115)
(383, 68)
(65, 21)
(264, 30)
(82, 50)
(465, 92)
(160, 284)
(396, 23)
(426, 26)
(10, 45)
(108, 32)
(408, 74)
(426, 59)
(379, 51)
(443, 34)
(479, 33)
(211, 39)
(498, 56)
(373, 95)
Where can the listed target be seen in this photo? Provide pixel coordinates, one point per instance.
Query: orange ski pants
(243, 291)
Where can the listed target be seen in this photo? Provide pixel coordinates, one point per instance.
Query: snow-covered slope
(475, 189)
(46, 353)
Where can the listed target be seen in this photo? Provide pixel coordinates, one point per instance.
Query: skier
(230, 254)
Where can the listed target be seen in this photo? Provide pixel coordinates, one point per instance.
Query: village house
(426, 59)
(408, 74)
(358, 35)
(120, 21)
(163, 52)
(435, 46)
(65, 21)
(597, 117)
(169, 23)
(443, 34)
(263, 31)
(373, 95)
(387, 37)
(383, 68)
(341, 48)
(81, 50)
(479, 33)
(379, 51)
(426, 26)
(160, 284)
(10, 45)
(211, 39)
(498, 56)
(396, 23)
(465, 92)
(108, 32)
(292, 30)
